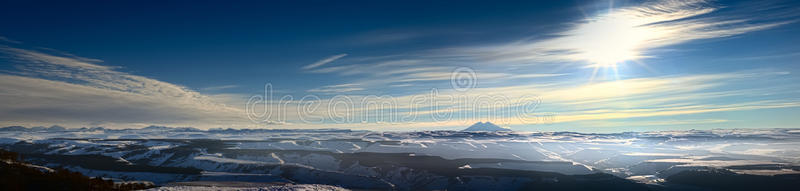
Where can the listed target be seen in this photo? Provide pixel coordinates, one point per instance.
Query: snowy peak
(488, 126)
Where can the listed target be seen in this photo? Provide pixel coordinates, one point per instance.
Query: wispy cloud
(672, 111)
(71, 90)
(627, 33)
(606, 123)
(622, 33)
(339, 88)
(324, 61)
(5, 39)
(645, 97)
(218, 88)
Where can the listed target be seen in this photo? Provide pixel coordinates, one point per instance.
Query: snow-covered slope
(225, 187)
(402, 160)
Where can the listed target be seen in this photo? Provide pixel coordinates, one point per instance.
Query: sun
(609, 54)
(609, 41)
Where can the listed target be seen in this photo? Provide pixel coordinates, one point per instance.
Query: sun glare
(610, 40)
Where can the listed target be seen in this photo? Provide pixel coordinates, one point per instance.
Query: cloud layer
(66, 89)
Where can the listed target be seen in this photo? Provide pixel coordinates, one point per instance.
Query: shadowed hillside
(16, 175)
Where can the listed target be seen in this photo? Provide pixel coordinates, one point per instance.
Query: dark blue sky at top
(248, 43)
(203, 43)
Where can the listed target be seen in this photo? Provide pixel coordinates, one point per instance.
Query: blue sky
(592, 66)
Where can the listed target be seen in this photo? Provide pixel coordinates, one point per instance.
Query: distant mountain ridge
(488, 126)
(160, 128)
(37, 128)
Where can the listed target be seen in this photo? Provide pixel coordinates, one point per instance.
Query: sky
(586, 66)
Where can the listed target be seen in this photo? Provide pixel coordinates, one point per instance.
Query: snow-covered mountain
(488, 126)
